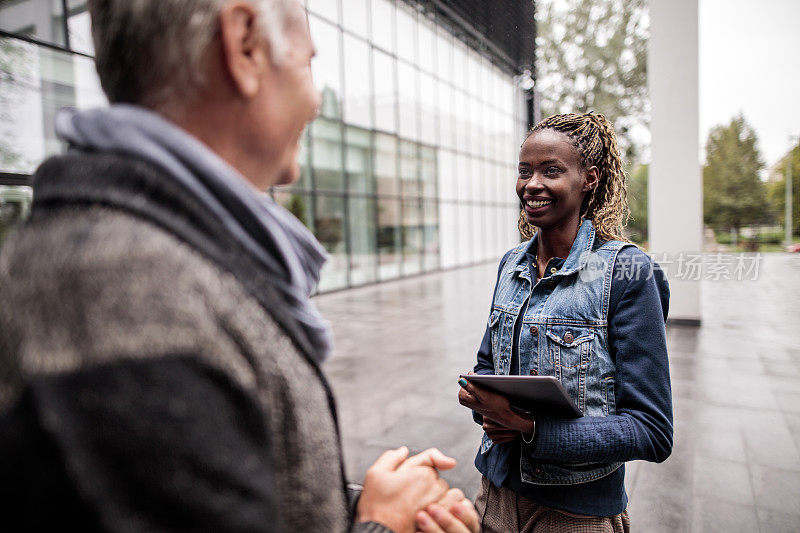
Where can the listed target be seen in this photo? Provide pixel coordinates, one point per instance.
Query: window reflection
(326, 8)
(354, 16)
(409, 173)
(389, 238)
(363, 243)
(413, 226)
(325, 65)
(326, 154)
(357, 104)
(408, 80)
(383, 24)
(406, 33)
(359, 160)
(385, 92)
(329, 230)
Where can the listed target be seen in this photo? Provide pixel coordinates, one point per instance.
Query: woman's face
(552, 181)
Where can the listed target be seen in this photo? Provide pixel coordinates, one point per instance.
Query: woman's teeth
(539, 203)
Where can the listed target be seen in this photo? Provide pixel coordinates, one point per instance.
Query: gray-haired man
(159, 354)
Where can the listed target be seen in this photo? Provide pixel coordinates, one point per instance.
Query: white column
(675, 183)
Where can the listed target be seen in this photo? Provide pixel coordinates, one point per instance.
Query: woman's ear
(591, 179)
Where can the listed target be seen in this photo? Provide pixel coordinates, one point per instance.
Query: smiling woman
(578, 302)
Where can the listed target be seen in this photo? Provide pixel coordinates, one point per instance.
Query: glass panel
(303, 159)
(446, 120)
(40, 19)
(462, 177)
(359, 161)
(80, 31)
(407, 82)
(385, 92)
(427, 41)
(325, 65)
(409, 170)
(429, 110)
(427, 171)
(298, 204)
(326, 154)
(389, 239)
(446, 175)
(383, 24)
(430, 235)
(478, 191)
(412, 237)
(327, 8)
(15, 206)
(406, 33)
(385, 164)
(363, 253)
(444, 54)
(460, 78)
(330, 232)
(473, 64)
(34, 83)
(448, 227)
(460, 114)
(357, 105)
(354, 16)
(465, 233)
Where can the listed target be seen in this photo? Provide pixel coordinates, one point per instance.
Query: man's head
(234, 73)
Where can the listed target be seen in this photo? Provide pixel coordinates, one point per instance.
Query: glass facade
(409, 168)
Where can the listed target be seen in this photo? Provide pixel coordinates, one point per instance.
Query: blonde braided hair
(607, 204)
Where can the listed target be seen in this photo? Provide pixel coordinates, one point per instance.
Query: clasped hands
(500, 422)
(406, 495)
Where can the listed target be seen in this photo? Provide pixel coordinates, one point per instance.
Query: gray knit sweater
(148, 379)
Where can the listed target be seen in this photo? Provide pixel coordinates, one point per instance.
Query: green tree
(637, 200)
(776, 191)
(297, 207)
(733, 194)
(592, 56)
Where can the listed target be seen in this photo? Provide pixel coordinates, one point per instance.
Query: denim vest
(564, 334)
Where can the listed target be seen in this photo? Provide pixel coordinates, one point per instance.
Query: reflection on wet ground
(736, 383)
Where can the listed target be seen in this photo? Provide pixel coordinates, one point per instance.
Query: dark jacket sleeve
(642, 427)
(167, 443)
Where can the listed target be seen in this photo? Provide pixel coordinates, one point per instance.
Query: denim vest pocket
(570, 346)
(495, 328)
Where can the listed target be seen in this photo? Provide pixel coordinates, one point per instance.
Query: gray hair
(150, 52)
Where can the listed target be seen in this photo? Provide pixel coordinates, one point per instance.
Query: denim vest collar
(577, 258)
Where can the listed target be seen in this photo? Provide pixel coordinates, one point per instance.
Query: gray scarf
(280, 242)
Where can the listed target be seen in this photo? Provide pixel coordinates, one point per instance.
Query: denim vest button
(568, 337)
(533, 372)
(534, 330)
(539, 470)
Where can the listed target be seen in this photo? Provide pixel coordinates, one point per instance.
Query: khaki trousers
(503, 511)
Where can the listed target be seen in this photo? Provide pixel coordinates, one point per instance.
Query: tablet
(537, 394)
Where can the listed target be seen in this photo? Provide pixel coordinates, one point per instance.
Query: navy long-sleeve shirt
(642, 427)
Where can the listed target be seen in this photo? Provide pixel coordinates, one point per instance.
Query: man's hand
(452, 514)
(396, 488)
(493, 406)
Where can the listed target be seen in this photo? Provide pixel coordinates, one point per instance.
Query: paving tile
(721, 443)
(778, 522)
(777, 490)
(710, 515)
(723, 480)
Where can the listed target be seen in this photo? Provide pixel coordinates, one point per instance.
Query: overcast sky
(750, 63)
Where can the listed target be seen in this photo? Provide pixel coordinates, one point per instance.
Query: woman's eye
(524, 172)
(552, 170)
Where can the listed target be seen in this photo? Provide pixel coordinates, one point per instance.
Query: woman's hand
(497, 432)
(493, 406)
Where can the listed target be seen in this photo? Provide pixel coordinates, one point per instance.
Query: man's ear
(592, 178)
(245, 51)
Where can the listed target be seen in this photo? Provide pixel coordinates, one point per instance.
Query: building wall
(410, 167)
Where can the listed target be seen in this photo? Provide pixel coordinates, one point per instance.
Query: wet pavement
(735, 465)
